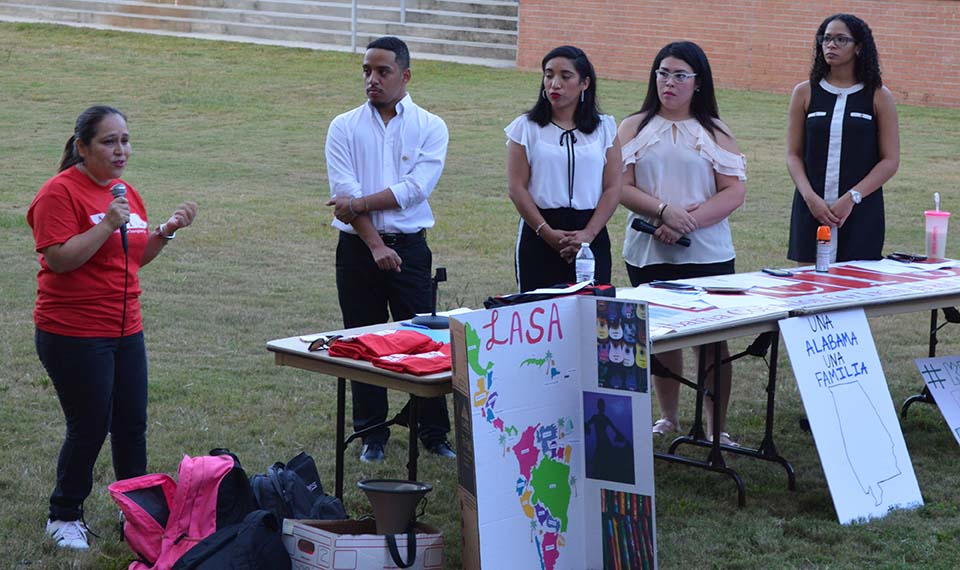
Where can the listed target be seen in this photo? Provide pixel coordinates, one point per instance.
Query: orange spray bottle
(823, 249)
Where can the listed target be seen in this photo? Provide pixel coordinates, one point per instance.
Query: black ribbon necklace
(569, 137)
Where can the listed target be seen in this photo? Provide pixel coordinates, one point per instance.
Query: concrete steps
(456, 30)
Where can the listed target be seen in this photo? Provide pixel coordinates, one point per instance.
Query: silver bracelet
(537, 231)
(660, 209)
(164, 236)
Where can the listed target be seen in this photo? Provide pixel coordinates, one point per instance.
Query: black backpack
(294, 491)
(253, 544)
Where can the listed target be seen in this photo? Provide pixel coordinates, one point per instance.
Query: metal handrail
(353, 21)
(353, 26)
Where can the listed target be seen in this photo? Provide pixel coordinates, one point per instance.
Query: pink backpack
(165, 519)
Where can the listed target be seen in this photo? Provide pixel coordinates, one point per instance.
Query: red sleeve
(52, 216)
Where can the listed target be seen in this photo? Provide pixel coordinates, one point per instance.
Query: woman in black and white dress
(843, 144)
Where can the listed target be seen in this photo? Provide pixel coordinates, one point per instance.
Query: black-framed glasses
(678, 76)
(839, 41)
(323, 342)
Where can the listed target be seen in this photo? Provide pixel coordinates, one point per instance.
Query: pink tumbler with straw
(936, 240)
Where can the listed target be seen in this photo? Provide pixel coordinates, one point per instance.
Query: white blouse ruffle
(677, 162)
(690, 133)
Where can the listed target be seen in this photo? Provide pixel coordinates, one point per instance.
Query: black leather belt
(391, 240)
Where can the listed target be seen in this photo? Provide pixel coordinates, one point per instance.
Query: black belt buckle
(393, 239)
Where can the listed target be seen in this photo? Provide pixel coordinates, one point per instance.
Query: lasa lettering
(533, 331)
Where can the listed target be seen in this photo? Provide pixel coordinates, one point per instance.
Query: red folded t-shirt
(382, 343)
(420, 364)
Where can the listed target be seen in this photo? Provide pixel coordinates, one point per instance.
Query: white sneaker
(68, 534)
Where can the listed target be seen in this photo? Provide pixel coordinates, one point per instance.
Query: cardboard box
(354, 545)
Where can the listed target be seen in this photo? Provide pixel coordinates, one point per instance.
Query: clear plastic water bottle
(585, 264)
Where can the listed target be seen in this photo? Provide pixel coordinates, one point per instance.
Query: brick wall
(756, 45)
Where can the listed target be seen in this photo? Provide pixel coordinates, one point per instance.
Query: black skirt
(539, 265)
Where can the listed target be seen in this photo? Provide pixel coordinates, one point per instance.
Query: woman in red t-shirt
(91, 231)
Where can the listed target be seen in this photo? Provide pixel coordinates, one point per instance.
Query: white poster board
(851, 414)
(557, 413)
(942, 376)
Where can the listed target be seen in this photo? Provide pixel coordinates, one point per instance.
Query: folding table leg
(714, 461)
(340, 444)
(925, 396)
(412, 427)
(767, 450)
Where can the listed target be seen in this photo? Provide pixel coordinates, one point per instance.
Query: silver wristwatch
(855, 196)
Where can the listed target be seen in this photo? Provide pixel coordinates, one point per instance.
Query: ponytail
(70, 155)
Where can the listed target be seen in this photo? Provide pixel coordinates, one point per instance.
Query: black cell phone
(777, 272)
(672, 285)
(906, 257)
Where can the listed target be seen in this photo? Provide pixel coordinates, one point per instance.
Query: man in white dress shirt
(384, 159)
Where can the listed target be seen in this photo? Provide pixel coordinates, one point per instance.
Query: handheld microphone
(119, 190)
(646, 227)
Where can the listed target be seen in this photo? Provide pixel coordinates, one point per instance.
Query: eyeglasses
(678, 76)
(839, 41)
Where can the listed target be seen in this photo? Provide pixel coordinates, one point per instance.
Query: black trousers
(539, 265)
(369, 296)
(102, 387)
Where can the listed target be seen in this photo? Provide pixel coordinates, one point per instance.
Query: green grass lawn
(240, 130)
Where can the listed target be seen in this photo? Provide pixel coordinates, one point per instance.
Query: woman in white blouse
(684, 173)
(563, 163)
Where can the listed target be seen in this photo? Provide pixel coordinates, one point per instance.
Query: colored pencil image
(627, 531)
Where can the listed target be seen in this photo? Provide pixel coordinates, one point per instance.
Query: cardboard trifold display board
(555, 453)
(354, 545)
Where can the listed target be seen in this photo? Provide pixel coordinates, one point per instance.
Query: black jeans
(102, 387)
(366, 293)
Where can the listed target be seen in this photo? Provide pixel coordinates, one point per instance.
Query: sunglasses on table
(324, 342)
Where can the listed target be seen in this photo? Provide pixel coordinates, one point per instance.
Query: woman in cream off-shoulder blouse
(684, 173)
